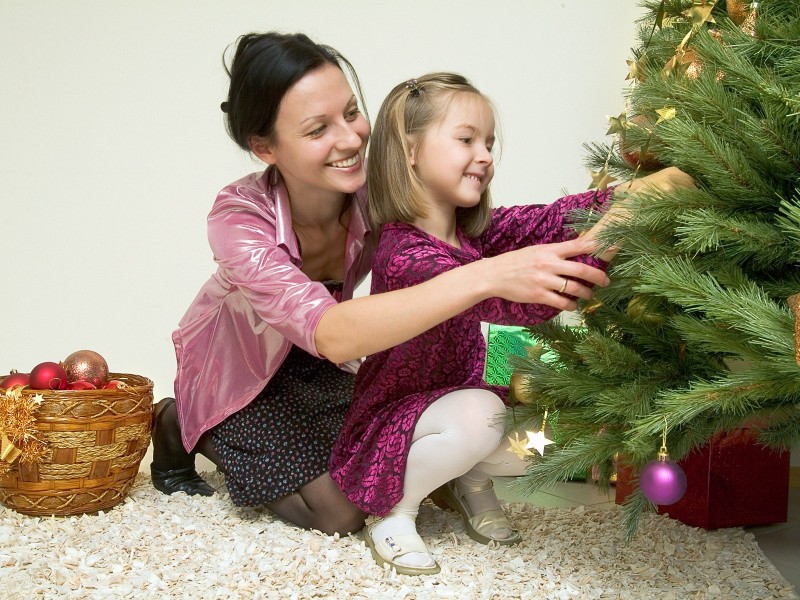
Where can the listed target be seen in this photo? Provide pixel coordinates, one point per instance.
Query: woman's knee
(331, 511)
(342, 521)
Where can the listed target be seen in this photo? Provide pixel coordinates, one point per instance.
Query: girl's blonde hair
(395, 191)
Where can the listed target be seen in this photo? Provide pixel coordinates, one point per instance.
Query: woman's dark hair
(263, 69)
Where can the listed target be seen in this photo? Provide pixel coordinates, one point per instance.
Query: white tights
(461, 434)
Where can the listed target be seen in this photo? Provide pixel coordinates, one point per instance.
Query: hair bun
(224, 107)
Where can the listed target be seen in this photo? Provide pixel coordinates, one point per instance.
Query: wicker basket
(95, 441)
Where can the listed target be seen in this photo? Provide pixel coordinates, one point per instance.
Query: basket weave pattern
(95, 441)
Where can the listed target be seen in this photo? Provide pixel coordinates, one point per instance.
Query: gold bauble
(737, 10)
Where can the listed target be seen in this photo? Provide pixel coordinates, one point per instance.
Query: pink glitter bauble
(86, 365)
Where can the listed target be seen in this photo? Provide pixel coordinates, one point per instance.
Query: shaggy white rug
(156, 546)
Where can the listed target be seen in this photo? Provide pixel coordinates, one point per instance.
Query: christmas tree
(696, 333)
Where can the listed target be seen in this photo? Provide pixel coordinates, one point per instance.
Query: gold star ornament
(618, 124)
(665, 114)
(700, 12)
(518, 446)
(634, 71)
(601, 179)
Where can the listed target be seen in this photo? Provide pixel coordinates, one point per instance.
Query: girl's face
(320, 136)
(454, 159)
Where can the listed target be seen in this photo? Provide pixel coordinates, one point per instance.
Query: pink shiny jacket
(240, 327)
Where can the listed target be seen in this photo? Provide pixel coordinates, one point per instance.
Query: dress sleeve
(415, 259)
(242, 235)
(412, 260)
(520, 226)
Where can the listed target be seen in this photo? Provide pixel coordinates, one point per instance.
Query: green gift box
(502, 342)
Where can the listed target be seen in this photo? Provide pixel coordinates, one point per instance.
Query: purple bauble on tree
(662, 481)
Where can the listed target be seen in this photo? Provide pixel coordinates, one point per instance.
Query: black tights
(319, 504)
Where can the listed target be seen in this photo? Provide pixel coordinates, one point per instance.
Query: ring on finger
(563, 287)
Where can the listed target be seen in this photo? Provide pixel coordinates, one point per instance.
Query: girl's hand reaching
(543, 274)
(664, 180)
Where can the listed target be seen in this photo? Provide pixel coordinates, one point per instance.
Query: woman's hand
(543, 274)
(665, 180)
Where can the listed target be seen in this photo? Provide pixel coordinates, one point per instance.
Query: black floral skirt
(283, 438)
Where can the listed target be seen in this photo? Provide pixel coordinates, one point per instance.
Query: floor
(780, 542)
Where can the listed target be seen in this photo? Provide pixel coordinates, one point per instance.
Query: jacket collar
(284, 235)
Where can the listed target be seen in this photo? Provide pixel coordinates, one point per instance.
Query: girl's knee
(481, 409)
(479, 420)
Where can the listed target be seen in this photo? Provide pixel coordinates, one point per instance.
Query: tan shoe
(480, 527)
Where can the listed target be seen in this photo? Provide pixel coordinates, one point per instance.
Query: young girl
(422, 416)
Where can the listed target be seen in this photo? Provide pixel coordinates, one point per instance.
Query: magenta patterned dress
(394, 387)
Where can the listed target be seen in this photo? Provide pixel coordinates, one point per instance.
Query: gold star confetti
(538, 441)
(601, 179)
(669, 22)
(618, 124)
(518, 446)
(665, 114)
(700, 12)
(634, 71)
(37, 399)
(669, 67)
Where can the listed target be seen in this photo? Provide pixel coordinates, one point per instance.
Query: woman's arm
(370, 324)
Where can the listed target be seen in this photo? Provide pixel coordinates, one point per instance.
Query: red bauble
(48, 376)
(81, 385)
(10, 381)
(86, 365)
(632, 155)
(113, 385)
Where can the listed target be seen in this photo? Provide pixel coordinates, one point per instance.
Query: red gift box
(731, 482)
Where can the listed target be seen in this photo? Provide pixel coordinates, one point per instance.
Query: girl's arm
(370, 324)
(514, 227)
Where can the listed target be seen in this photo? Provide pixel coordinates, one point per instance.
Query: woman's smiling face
(320, 136)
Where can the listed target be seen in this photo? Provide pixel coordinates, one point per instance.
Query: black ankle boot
(172, 469)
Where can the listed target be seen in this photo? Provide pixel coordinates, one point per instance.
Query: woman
(267, 351)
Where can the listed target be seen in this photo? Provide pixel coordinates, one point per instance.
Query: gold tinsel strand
(794, 304)
(17, 425)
